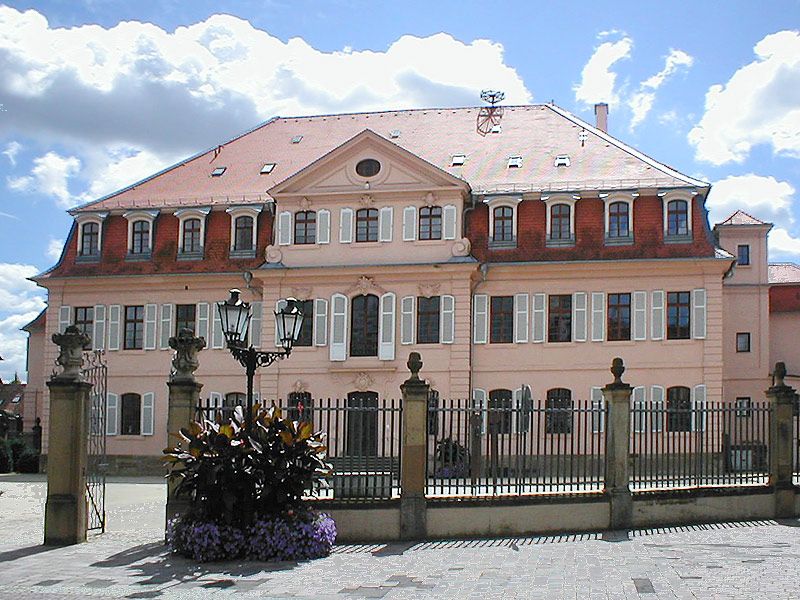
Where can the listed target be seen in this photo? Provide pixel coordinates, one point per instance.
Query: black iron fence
(796, 442)
(713, 444)
(501, 447)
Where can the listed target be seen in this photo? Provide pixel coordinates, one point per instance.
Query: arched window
(679, 409)
(558, 411)
(677, 217)
(131, 416)
(305, 227)
(300, 406)
(500, 410)
(364, 326)
(503, 224)
(234, 399)
(618, 220)
(140, 239)
(361, 420)
(430, 223)
(90, 239)
(367, 225)
(243, 233)
(191, 241)
(560, 222)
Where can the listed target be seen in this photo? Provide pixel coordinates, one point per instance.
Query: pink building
(518, 249)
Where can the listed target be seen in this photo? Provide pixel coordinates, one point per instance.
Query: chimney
(601, 116)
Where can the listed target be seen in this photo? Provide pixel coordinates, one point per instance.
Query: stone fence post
(184, 397)
(617, 397)
(781, 398)
(66, 509)
(413, 467)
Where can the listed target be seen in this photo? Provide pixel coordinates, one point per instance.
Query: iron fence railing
(363, 439)
(796, 444)
(514, 449)
(714, 444)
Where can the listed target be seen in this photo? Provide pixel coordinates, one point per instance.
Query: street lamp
(234, 315)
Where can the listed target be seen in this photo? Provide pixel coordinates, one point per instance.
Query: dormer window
(560, 220)
(90, 233)
(503, 221)
(503, 224)
(140, 242)
(243, 236)
(619, 219)
(217, 172)
(191, 234)
(244, 230)
(140, 234)
(190, 240)
(677, 217)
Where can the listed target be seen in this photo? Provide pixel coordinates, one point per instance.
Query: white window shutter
(447, 320)
(320, 322)
(699, 314)
(338, 345)
(257, 310)
(346, 225)
(579, 314)
(409, 223)
(657, 315)
(520, 318)
(699, 408)
(279, 306)
(148, 413)
(639, 316)
(285, 228)
(657, 406)
(639, 408)
(524, 410)
(166, 325)
(385, 223)
(479, 404)
(449, 214)
(64, 318)
(598, 410)
(480, 319)
(539, 317)
(150, 322)
(324, 226)
(598, 316)
(215, 399)
(407, 324)
(112, 413)
(387, 327)
(114, 313)
(201, 328)
(99, 328)
(217, 339)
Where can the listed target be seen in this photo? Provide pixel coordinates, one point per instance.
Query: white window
(218, 171)
(267, 168)
(560, 222)
(677, 209)
(244, 230)
(90, 235)
(191, 231)
(618, 219)
(140, 232)
(503, 220)
(515, 162)
(562, 160)
(458, 160)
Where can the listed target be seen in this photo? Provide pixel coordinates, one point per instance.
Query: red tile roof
(742, 218)
(784, 273)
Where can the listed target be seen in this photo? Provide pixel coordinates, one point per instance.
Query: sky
(97, 94)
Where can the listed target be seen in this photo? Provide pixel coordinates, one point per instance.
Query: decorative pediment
(365, 285)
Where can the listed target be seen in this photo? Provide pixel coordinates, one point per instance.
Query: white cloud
(54, 248)
(50, 176)
(781, 241)
(598, 81)
(115, 168)
(759, 104)
(765, 198)
(642, 101)
(11, 151)
(20, 302)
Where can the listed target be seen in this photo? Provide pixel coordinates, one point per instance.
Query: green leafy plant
(6, 462)
(27, 462)
(232, 473)
(453, 459)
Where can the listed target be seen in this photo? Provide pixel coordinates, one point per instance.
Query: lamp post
(235, 315)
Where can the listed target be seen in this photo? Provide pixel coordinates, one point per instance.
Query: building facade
(518, 249)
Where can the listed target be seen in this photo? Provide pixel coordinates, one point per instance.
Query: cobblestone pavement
(734, 560)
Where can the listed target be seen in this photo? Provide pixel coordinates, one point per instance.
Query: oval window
(369, 167)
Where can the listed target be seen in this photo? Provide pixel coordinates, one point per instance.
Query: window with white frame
(191, 232)
(90, 236)
(677, 209)
(618, 219)
(560, 224)
(140, 233)
(503, 220)
(244, 230)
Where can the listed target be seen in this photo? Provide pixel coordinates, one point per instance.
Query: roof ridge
(407, 110)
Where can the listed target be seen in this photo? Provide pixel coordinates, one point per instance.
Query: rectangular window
(367, 225)
(502, 320)
(619, 317)
(743, 342)
(428, 320)
(305, 227)
(559, 318)
(503, 224)
(306, 337)
(185, 317)
(243, 233)
(84, 321)
(743, 254)
(678, 316)
(90, 239)
(430, 223)
(743, 404)
(134, 327)
(500, 411)
(131, 421)
(140, 240)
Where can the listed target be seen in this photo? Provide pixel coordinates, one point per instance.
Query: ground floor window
(131, 416)
(558, 411)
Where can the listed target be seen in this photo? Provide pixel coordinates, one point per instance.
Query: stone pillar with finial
(413, 468)
(184, 396)
(781, 398)
(617, 397)
(66, 510)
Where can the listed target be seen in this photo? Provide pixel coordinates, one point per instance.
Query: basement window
(458, 160)
(514, 162)
(296, 139)
(562, 160)
(267, 168)
(218, 171)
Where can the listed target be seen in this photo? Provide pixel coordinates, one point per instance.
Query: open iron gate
(95, 372)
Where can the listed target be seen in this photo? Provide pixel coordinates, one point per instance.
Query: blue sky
(96, 94)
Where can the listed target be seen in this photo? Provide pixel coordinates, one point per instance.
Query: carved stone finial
(414, 365)
(780, 374)
(70, 357)
(185, 362)
(617, 369)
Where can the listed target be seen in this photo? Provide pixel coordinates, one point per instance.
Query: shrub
(28, 462)
(6, 461)
(17, 446)
(453, 458)
(205, 541)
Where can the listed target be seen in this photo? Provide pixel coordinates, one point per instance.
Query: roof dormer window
(244, 230)
(90, 236)
(191, 232)
(218, 171)
(677, 209)
(267, 168)
(140, 233)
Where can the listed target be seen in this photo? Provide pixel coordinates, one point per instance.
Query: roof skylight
(267, 168)
(562, 160)
(296, 139)
(514, 162)
(458, 160)
(394, 133)
(218, 171)
(496, 128)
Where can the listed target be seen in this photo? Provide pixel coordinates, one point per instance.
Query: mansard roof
(486, 137)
